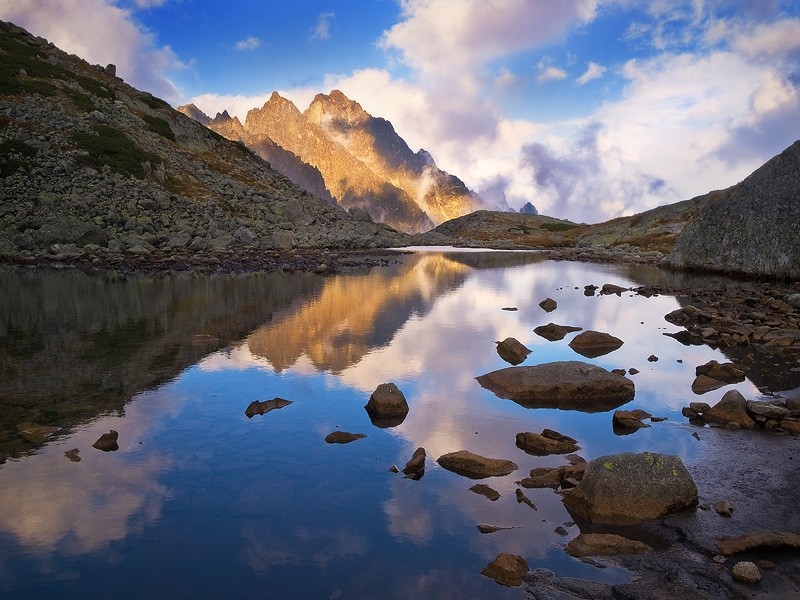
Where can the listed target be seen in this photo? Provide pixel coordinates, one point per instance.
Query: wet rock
(627, 421)
(107, 442)
(548, 304)
(652, 358)
(767, 410)
(604, 544)
(415, 468)
(746, 572)
(610, 288)
(387, 406)
(548, 442)
(592, 344)
(512, 351)
(589, 290)
(485, 490)
(732, 408)
(523, 499)
(35, 433)
(703, 384)
(258, 407)
(73, 455)
(507, 569)
(568, 385)
(475, 466)
(553, 332)
(724, 508)
(629, 488)
(486, 528)
(699, 407)
(343, 437)
(759, 540)
(726, 372)
(543, 477)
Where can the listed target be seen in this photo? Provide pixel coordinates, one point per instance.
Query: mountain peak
(190, 110)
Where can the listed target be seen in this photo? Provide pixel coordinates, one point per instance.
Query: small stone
(415, 468)
(343, 437)
(746, 572)
(257, 407)
(107, 442)
(523, 499)
(506, 569)
(548, 304)
(73, 455)
(724, 508)
(485, 490)
(652, 358)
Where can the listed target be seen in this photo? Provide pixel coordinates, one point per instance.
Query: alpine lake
(202, 501)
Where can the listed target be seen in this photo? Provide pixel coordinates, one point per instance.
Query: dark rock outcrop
(604, 544)
(387, 406)
(262, 407)
(569, 385)
(415, 468)
(592, 344)
(752, 227)
(545, 443)
(107, 442)
(512, 351)
(553, 332)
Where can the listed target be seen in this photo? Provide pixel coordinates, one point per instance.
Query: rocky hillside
(92, 167)
(752, 227)
(361, 159)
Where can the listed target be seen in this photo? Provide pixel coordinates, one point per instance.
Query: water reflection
(173, 362)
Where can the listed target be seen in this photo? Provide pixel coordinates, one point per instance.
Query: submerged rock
(703, 384)
(107, 442)
(548, 442)
(506, 569)
(553, 332)
(475, 466)
(604, 544)
(484, 490)
(258, 407)
(629, 488)
(387, 406)
(592, 344)
(35, 433)
(568, 385)
(512, 351)
(343, 437)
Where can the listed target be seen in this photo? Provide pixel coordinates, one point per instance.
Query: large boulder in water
(630, 488)
(387, 406)
(752, 227)
(592, 344)
(570, 385)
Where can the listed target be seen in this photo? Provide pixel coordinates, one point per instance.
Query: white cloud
(322, 30)
(593, 71)
(248, 43)
(551, 74)
(72, 25)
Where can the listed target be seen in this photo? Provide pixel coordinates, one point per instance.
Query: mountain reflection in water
(200, 501)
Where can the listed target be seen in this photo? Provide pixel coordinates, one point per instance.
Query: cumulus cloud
(72, 25)
(593, 71)
(248, 43)
(322, 30)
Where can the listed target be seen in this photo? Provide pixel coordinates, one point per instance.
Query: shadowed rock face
(752, 227)
(568, 385)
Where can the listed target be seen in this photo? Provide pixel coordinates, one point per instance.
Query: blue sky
(590, 109)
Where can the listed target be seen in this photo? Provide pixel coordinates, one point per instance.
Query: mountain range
(338, 151)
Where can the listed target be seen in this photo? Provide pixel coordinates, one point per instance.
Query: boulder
(512, 351)
(343, 437)
(610, 288)
(507, 569)
(415, 468)
(387, 406)
(107, 442)
(759, 540)
(553, 332)
(484, 490)
(592, 344)
(604, 544)
(727, 372)
(258, 407)
(475, 466)
(547, 442)
(731, 409)
(568, 385)
(630, 488)
(548, 305)
(627, 421)
(703, 384)
(767, 410)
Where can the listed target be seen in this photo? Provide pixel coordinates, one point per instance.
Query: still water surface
(202, 502)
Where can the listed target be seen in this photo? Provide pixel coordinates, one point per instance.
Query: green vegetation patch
(14, 155)
(109, 146)
(81, 100)
(154, 102)
(557, 226)
(159, 126)
(95, 88)
(17, 56)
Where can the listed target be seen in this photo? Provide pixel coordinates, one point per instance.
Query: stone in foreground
(512, 351)
(604, 544)
(507, 569)
(592, 344)
(568, 385)
(630, 488)
(387, 406)
(475, 466)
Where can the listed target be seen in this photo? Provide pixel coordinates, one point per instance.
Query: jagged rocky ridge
(362, 160)
(91, 166)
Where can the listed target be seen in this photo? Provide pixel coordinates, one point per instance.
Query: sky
(589, 109)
